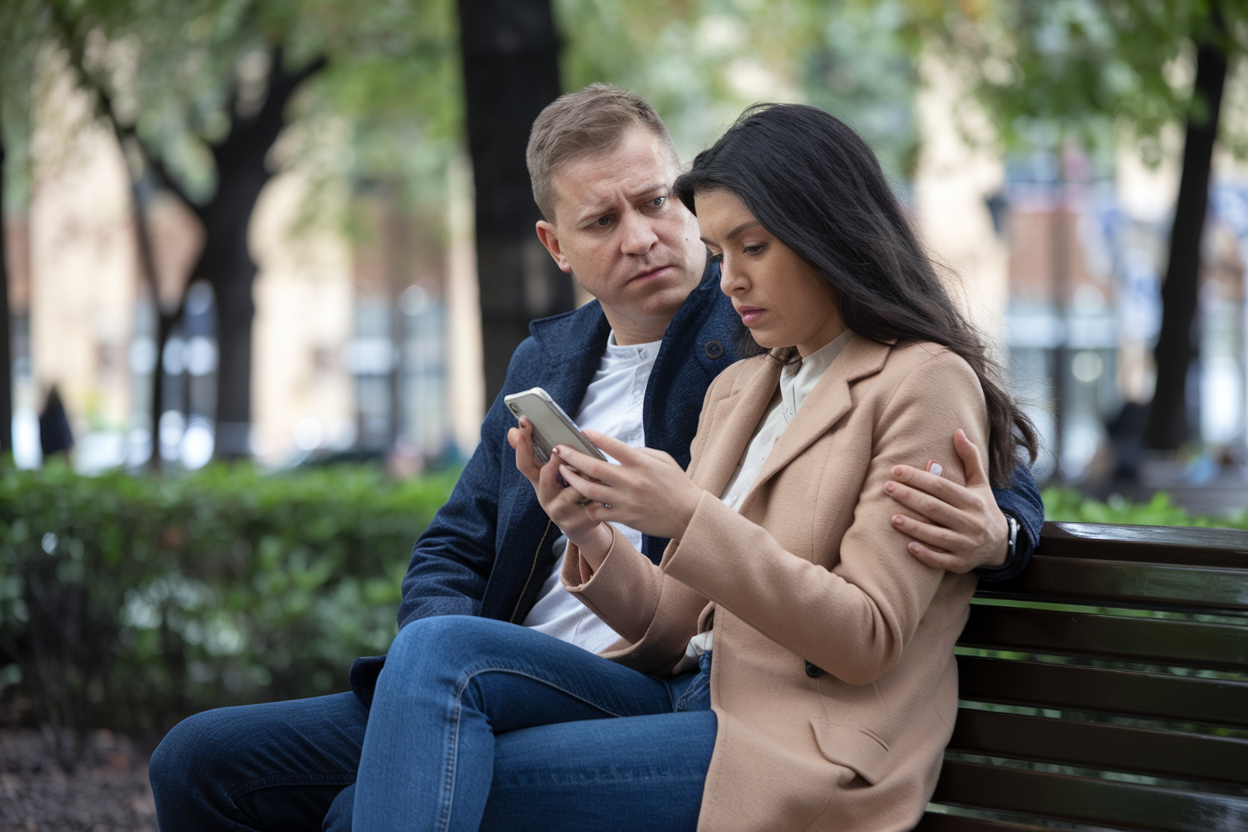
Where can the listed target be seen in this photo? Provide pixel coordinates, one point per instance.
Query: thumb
(971, 460)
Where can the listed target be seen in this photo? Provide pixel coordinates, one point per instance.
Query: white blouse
(796, 383)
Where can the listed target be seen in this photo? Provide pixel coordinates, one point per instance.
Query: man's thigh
(269, 766)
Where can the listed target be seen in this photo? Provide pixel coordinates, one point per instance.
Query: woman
(832, 690)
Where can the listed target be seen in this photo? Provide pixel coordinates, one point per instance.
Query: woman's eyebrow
(736, 232)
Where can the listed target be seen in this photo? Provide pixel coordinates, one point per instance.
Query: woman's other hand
(962, 529)
(562, 504)
(648, 490)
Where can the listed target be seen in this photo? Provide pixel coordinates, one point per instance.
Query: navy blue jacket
(488, 550)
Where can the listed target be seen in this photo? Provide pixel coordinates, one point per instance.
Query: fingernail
(554, 451)
(898, 519)
(890, 487)
(913, 547)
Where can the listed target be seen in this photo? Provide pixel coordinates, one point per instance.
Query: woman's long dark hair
(815, 184)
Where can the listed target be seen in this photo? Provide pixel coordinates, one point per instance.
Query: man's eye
(658, 201)
(602, 222)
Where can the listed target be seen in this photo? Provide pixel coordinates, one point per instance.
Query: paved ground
(105, 789)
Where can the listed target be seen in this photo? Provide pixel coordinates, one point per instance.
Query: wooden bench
(1106, 688)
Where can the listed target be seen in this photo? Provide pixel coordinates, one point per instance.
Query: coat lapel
(826, 404)
(735, 419)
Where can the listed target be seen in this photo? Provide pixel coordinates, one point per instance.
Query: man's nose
(638, 235)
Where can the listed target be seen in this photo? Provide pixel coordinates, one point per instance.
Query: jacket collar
(755, 388)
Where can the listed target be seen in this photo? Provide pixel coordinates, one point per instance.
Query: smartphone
(551, 426)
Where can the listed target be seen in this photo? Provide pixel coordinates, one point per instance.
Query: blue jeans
(281, 765)
(479, 724)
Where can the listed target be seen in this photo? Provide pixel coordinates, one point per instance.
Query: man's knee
(442, 638)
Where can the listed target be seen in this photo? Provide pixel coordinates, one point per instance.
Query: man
(635, 364)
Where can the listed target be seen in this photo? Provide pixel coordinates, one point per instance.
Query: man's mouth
(657, 271)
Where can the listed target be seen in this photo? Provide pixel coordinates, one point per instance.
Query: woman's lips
(749, 314)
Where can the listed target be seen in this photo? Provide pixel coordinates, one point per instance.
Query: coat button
(813, 670)
(714, 349)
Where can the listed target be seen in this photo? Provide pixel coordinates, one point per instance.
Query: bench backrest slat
(1097, 745)
(1117, 582)
(933, 822)
(1086, 800)
(1130, 693)
(1148, 640)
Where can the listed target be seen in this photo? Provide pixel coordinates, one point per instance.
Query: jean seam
(452, 758)
(257, 783)
(452, 764)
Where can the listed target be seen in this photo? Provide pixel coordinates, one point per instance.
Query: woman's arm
(854, 619)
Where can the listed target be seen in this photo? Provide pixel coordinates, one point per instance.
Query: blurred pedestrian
(55, 436)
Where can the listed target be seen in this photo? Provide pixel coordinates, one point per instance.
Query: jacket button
(714, 349)
(813, 670)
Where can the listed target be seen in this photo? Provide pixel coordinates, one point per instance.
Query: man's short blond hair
(584, 123)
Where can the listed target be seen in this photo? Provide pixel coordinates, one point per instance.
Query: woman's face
(779, 296)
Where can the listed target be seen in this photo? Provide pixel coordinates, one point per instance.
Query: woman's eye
(717, 258)
(754, 249)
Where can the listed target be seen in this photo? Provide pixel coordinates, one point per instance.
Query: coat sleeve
(626, 590)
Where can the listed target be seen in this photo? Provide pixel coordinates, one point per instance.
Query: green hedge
(130, 601)
(1069, 505)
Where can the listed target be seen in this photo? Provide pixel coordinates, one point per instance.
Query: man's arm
(966, 527)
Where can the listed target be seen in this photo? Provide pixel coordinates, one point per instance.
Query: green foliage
(132, 601)
(701, 62)
(1069, 505)
(1087, 65)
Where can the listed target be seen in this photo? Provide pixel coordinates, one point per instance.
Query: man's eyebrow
(591, 210)
(736, 232)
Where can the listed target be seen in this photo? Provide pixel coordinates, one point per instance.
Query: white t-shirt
(612, 405)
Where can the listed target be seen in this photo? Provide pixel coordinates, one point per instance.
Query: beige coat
(811, 570)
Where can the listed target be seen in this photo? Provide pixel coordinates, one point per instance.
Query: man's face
(619, 230)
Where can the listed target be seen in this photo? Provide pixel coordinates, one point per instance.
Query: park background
(273, 255)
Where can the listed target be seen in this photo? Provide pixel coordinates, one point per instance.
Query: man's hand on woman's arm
(962, 527)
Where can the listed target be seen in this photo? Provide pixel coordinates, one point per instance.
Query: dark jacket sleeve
(1021, 501)
(451, 562)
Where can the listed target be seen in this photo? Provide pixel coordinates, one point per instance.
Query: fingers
(521, 439)
(938, 559)
(969, 454)
(935, 536)
(590, 489)
(943, 506)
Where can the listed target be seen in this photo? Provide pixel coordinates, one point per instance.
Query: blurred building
(352, 336)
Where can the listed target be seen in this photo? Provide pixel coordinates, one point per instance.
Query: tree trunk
(511, 72)
(225, 262)
(6, 335)
(1167, 426)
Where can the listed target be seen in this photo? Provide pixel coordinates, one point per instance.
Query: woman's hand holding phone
(648, 490)
(564, 505)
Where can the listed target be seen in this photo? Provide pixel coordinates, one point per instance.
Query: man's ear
(550, 239)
